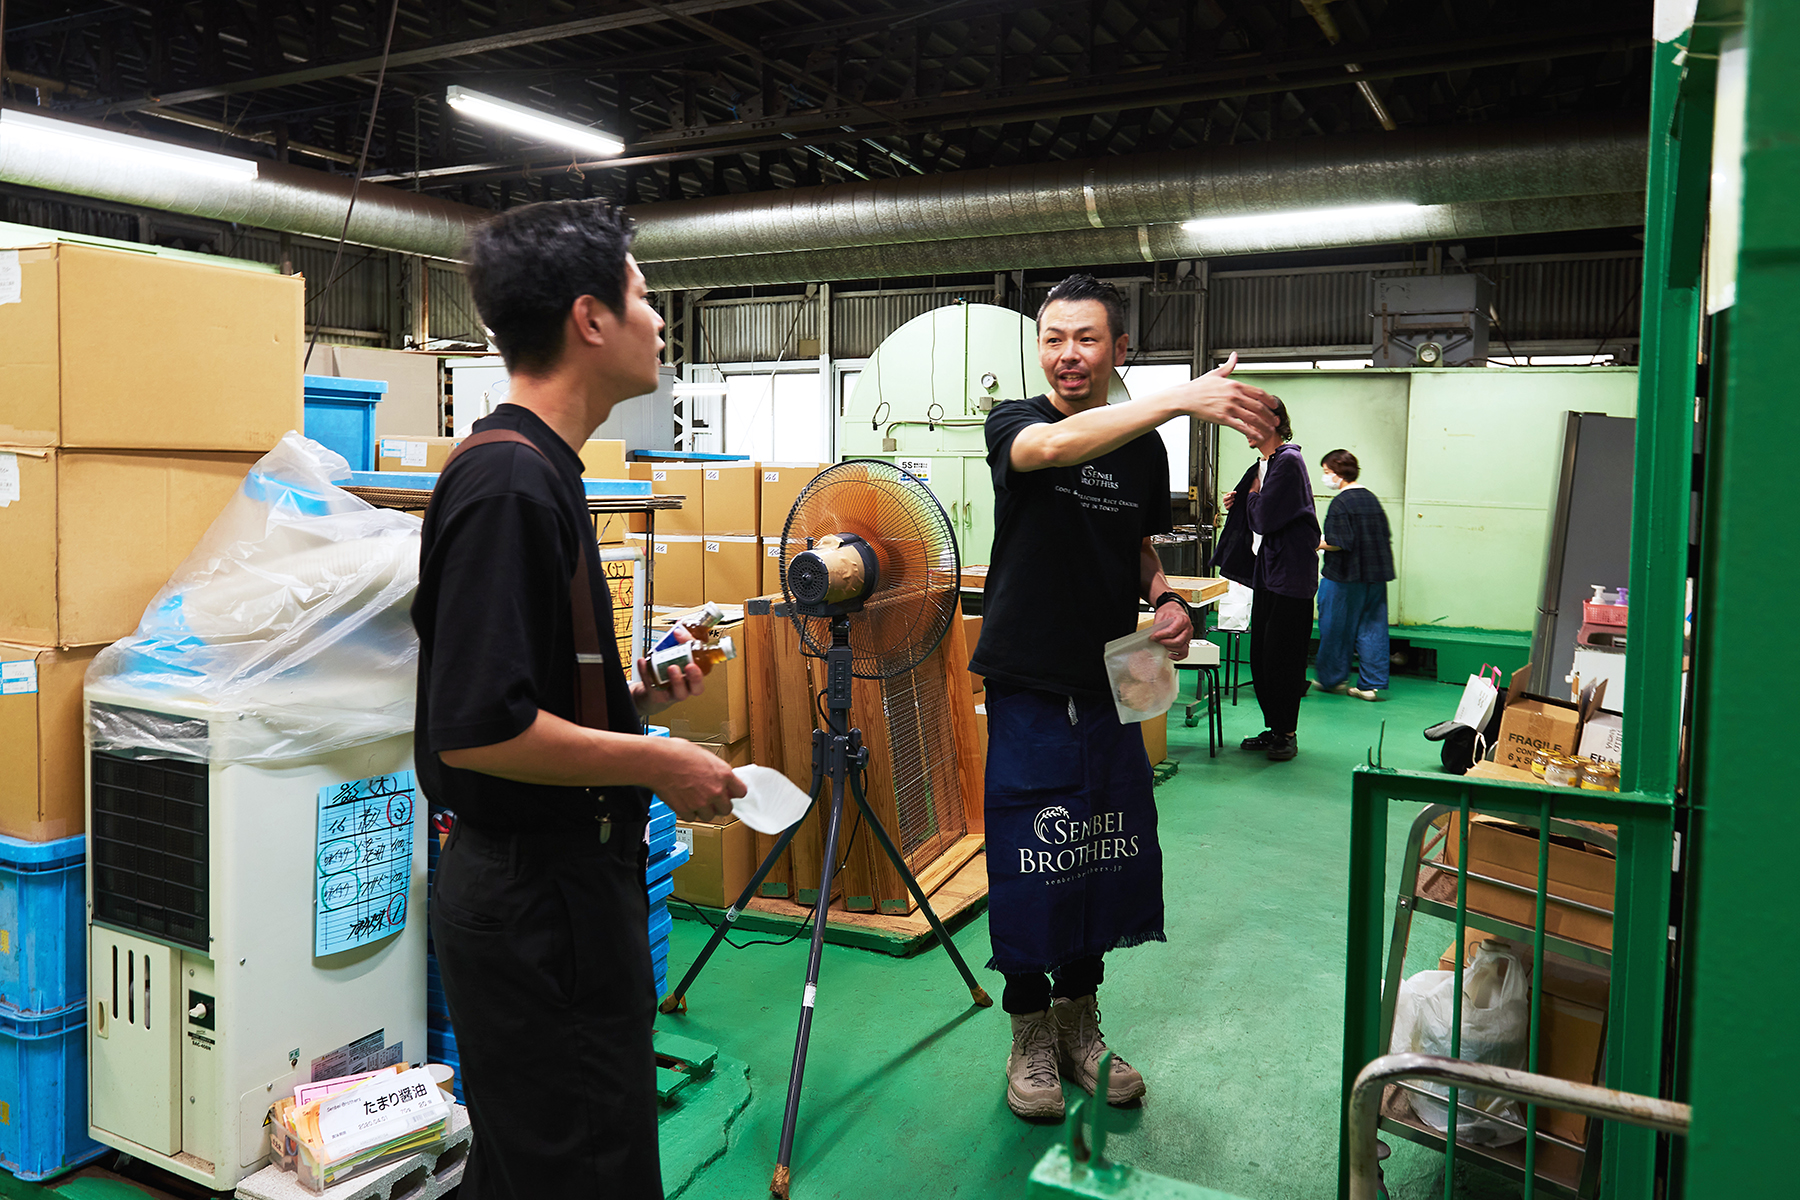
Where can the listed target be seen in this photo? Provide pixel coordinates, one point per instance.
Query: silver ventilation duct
(1427, 166)
(1152, 243)
(280, 197)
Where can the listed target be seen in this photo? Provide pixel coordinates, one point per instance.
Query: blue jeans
(1352, 614)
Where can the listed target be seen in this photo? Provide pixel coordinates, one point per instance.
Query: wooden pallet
(957, 901)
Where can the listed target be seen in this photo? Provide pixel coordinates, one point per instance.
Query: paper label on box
(9, 479)
(712, 547)
(662, 547)
(771, 476)
(412, 454)
(712, 475)
(380, 1110)
(19, 678)
(392, 447)
(12, 279)
(918, 468)
(684, 838)
(774, 551)
(659, 476)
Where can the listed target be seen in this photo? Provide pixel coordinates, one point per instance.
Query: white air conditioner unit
(216, 892)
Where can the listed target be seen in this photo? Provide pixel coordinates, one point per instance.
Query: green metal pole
(1367, 917)
(1456, 991)
(1537, 992)
(1745, 1050)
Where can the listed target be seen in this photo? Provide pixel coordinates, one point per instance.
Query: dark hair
(1086, 287)
(1341, 463)
(1284, 428)
(528, 265)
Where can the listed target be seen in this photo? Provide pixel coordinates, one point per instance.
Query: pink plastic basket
(1604, 614)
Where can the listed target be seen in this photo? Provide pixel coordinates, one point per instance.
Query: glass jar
(1562, 771)
(1600, 776)
(1540, 760)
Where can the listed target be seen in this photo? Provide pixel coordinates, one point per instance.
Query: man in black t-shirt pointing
(1074, 867)
(539, 914)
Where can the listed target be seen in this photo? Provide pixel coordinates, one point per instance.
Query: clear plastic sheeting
(286, 634)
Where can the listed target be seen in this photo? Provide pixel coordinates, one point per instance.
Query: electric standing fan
(872, 593)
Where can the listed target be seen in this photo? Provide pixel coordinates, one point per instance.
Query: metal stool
(1203, 660)
(1235, 662)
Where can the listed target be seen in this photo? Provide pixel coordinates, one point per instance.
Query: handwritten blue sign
(364, 861)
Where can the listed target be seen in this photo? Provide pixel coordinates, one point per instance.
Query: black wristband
(1168, 596)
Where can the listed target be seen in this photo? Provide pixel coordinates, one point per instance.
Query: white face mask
(1332, 481)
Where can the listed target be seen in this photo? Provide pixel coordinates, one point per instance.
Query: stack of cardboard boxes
(724, 543)
(120, 442)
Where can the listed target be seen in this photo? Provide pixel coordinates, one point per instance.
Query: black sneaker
(1262, 741)
(1283, 747)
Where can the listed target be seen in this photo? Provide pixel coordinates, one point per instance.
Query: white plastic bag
(1234, 607)
(1496, 1021)
(291, 620)
(1142, 677)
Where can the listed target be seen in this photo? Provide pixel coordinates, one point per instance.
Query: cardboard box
(603, 458)
(1156, 738)
(611, 529)
(42, 743)
(721, 713)
(733, 568)
(208, 358)
(1572, 1021)
(94, 534)
(1603, 738)
(678, 572)
(782, 484)
(1508, 852)
(1531, 723)
(673, 479)
(730, 498)
(417, 454)
(771, 565)
(732, 754)
(721, 860)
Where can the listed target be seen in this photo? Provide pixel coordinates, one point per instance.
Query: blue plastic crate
(662, 819)
(660, 891)
(44, 1093)
(665, 861)
(340, 415)
(660, 925)
(43, 925)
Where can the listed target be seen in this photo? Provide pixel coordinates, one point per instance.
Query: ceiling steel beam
(1042, 102)
(620, 18)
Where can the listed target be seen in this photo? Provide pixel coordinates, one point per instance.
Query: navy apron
(1074, 867)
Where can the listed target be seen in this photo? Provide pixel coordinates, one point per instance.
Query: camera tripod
(840, 756)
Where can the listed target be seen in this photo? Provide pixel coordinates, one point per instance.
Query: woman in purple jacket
(1270, 544)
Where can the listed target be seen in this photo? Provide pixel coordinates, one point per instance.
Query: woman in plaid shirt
(1359, 561)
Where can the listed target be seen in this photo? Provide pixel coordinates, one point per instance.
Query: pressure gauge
(989, 380)
(1430, 354)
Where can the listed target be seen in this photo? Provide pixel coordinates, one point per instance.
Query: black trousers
(544, 949)
(1032, 992)
(1280, 635)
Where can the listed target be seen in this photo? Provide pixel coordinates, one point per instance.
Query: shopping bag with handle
(1477, 703)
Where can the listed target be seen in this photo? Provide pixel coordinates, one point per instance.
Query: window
(777, 416)
(1147, 379)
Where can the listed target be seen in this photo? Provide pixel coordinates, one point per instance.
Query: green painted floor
(1236, 1022)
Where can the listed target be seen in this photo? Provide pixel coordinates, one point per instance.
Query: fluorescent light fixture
(530, 122)
(122, 150)
(686, 388)
(1287, 220)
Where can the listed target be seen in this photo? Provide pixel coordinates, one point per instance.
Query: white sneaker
(1367, 694)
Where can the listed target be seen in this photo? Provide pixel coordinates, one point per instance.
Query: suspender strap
(590, 655)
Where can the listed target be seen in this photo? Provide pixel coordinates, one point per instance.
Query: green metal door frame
(1744, 1046)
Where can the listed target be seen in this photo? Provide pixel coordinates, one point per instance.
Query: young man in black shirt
(1073, 863)
(539, 913)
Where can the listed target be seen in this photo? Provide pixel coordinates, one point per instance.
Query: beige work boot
(1032, 1086)
(1079, 1046)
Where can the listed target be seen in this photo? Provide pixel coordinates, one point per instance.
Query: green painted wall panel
(1473, 565)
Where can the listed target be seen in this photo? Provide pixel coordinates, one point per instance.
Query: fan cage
(920, 564)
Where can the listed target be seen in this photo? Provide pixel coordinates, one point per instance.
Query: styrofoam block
(421, 1177)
